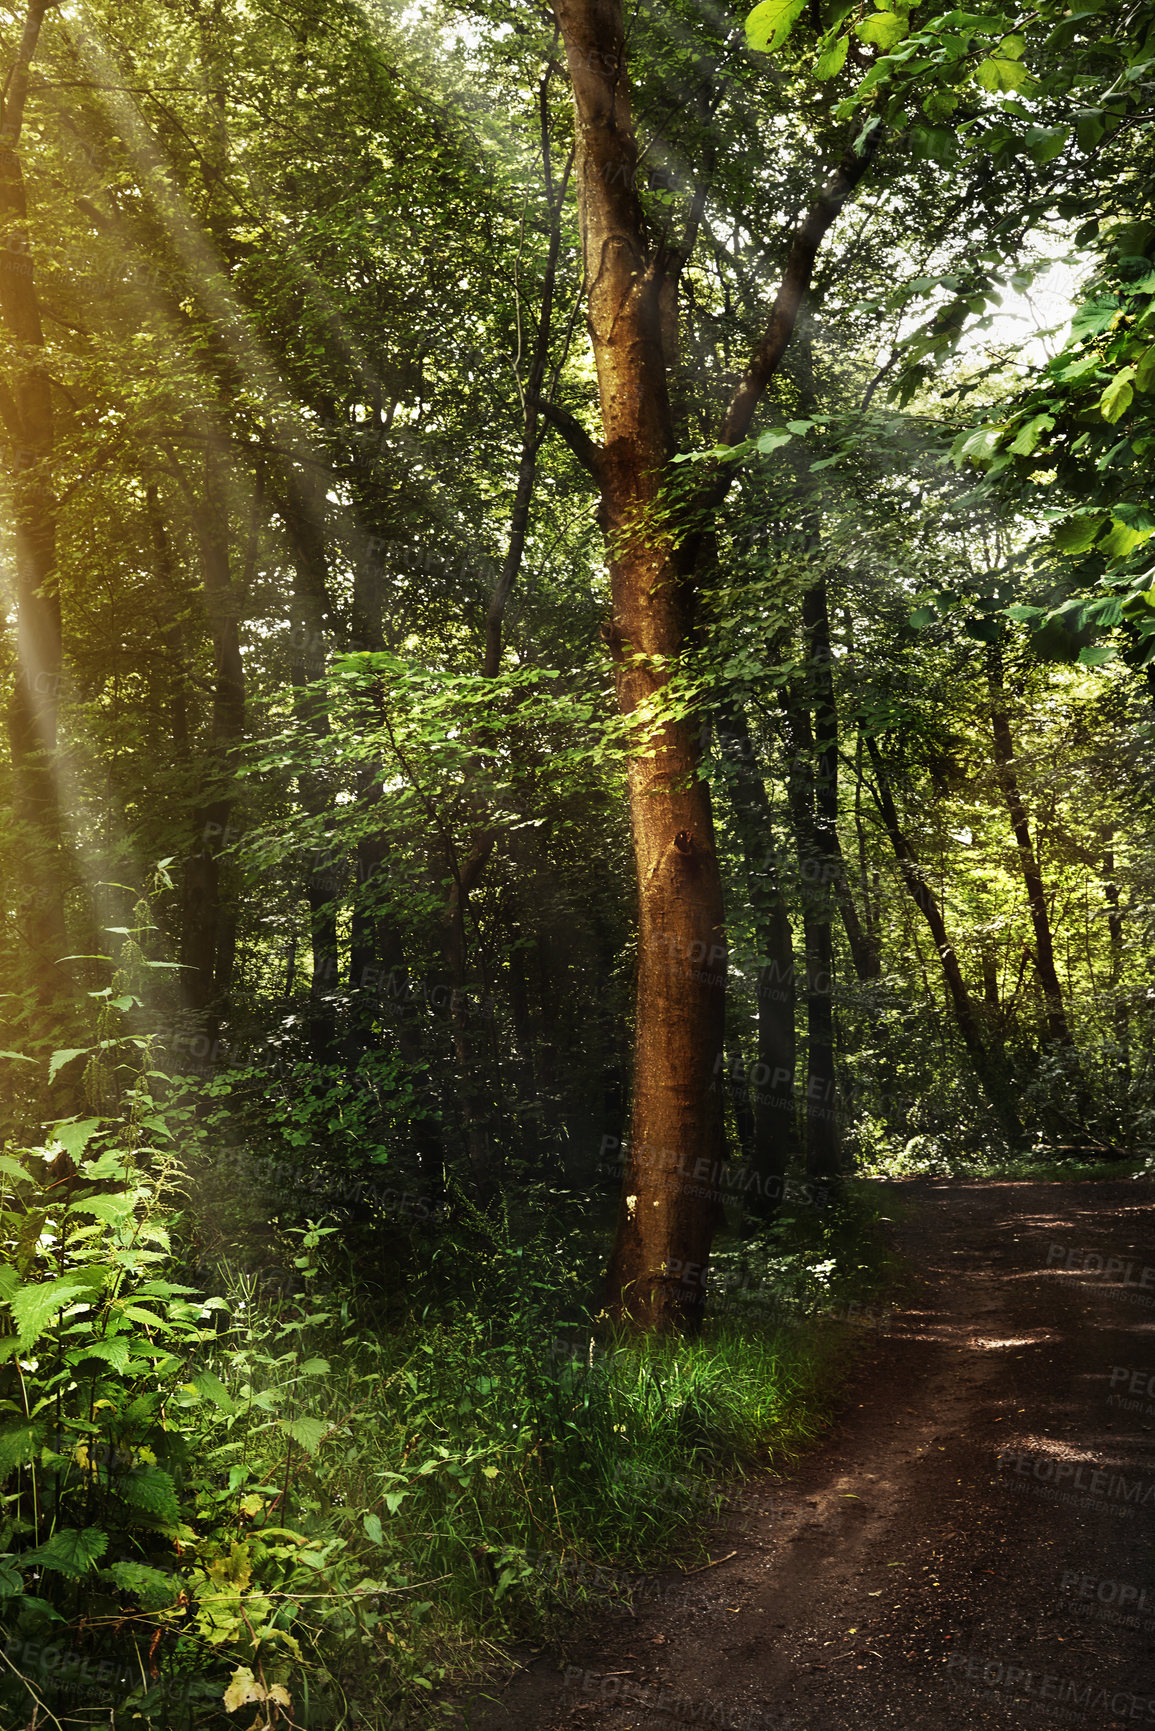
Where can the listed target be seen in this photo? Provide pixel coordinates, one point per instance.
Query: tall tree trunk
(813, 784)
(775, 1141)
(26, 410)
(525, 1067)
(870, 913)
(202, 926)
(168, 581)
(425, 1122)
(740, 1103)
(990, 967)
(816, 624)
(378, 964)
(1055, 1013)
(1120, 1014)
(467, 875)
(967, 1015)
(382, 990)
(302, 511)
(807, 770)
(656, 1278)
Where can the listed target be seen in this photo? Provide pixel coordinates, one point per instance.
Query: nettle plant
(131, 1476)
(94, 1341)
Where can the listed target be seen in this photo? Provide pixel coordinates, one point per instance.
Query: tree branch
(588, 453)
(808, 237)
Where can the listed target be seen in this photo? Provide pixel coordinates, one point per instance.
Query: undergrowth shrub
(219, 1491)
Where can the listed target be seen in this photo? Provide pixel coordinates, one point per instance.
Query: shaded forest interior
(579, 685)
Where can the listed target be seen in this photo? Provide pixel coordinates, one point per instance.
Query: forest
(578, 666)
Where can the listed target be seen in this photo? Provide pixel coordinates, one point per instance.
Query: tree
(26, 408)
(633, 291)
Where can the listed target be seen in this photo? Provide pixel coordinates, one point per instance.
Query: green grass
(1037, 1165)
(389, 1510)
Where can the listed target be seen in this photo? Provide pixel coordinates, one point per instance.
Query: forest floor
(972, 1543)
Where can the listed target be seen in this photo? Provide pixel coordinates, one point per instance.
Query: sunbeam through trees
(578, 816)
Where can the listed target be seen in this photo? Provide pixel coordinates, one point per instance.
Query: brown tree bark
(27, 413)
(820, 671)
(202, 926)
(669, 1207)
(775, 1119)
(966, 1013)
(379, 976)
(1057, 1026)
(807, 769)
(382, 991)
(468, 872)
(870, 913)
(1120, 1012)
(740, 1103)
(302, 513)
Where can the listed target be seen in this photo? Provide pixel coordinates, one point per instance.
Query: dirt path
(972, 1546)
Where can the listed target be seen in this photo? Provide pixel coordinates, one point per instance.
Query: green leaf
(205, 1383)
(19, 1444)
(1135, 516)
(1078, 369)
(1092, 319)
(37, 1305)
(1145, 369)
(109, 1207)
(830, 64)
(883, 30)
(69, 1551)
(1030, 435)
(1122, 539)
(997, 73)
(306, 1431)
(18, 1057)
(74, 1134)
(1045, 142)
(1076, 534)
(772, 440)
(934, 144)
(114, 1349)
(1118, 396)
(980, 444)
(922, 617)
(372, 1526)
(111, 1164)
(1096, 654)
(152, 1588)
(13, 1169)
(11, 1580)
(939, 105)
(151, 1489)
(1090, 127)
(771, 22)
(64, 1056)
